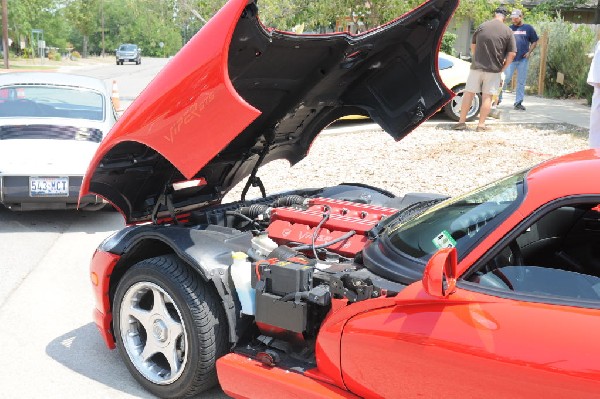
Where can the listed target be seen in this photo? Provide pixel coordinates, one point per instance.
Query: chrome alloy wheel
(153, 333)
(473, 110)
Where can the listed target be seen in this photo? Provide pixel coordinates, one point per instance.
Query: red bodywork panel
(102, 265)
(242, 377)
(298, 225)
(478, 342)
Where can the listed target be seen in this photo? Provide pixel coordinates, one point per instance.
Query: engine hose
(327, 244)
(240, 215)
(318, 229)
(288, 200)
(254, 210)
(283, 252)
(296, 296)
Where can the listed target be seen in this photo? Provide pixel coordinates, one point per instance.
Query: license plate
(48, 186)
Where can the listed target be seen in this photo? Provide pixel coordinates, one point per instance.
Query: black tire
(452, 109)
(188, 324)
(117, 62)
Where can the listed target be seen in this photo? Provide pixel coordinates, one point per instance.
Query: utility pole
(102, 5)
(5, 31)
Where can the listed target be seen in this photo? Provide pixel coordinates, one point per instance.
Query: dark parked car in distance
(129, 53)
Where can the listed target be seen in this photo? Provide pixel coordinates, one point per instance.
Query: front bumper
(127, 58)
(101, 268)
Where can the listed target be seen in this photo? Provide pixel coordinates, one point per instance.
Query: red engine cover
(298, 225)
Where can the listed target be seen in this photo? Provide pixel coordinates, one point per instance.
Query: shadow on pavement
(83, 351)
(57, 221)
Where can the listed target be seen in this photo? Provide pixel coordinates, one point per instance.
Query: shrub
(568, 48)
(52, 54)
(57, 57)
(75, 55)
(448, 43)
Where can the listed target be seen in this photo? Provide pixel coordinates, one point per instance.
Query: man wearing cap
(492, 50)
(526, 39)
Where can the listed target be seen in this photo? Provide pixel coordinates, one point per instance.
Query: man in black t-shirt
(493, 49)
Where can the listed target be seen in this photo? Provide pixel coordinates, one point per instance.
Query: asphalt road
(49, 346)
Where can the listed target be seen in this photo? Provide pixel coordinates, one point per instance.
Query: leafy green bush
(568, 48)
(448, 43)
(52, 55)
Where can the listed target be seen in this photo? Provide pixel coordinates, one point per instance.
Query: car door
(472, 345)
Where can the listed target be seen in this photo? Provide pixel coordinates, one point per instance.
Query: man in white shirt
(594, 80)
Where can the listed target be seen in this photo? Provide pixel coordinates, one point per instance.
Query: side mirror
(439, 278)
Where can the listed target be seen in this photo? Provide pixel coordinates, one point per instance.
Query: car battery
(283, 277)
(273, 279)
(271, 311)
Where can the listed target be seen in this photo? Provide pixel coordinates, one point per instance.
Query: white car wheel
(452, 109)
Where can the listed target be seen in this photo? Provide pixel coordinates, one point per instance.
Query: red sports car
(336, 292)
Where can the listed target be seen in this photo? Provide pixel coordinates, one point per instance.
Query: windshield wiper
(402, 216)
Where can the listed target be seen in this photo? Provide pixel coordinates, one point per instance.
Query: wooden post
(543, 59)
(5, 32)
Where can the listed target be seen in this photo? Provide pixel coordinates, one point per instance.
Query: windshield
(459, 222)
(128, 47)
(47, 101)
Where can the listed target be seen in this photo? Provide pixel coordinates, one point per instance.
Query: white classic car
(50, 126)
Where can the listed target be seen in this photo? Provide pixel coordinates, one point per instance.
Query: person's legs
(594, 137)
(486, 106)
(472, 86)
(465, 105)
(521, 67)
(508, 74)
(489, 88)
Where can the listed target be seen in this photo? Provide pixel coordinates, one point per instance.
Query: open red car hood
(239, 95)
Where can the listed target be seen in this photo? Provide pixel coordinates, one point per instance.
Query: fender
(206, 251)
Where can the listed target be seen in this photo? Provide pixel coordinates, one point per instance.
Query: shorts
(483, 82)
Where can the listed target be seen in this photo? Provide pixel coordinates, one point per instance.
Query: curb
(527, 125)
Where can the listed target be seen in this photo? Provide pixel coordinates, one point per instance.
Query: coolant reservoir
(241, 274)
(263, 245)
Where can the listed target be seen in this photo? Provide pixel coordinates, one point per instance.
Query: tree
(84, 16)
(25, 15)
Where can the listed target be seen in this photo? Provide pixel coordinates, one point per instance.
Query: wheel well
(146, 249)
(143, 250)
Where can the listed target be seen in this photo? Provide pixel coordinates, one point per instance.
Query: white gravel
(429, 159)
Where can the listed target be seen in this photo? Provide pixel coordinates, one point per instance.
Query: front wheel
(169, 327)
(452, 109)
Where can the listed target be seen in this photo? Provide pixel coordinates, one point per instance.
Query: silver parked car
(50, 126)
(129, 53)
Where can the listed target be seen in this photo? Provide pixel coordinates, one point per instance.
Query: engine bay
(305, 254)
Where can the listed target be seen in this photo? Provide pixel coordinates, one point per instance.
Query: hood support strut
(165, 198)
(254, 180)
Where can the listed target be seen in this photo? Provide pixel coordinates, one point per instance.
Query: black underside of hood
(300, 84)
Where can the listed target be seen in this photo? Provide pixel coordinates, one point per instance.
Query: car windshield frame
(52, 101)
(460, 222)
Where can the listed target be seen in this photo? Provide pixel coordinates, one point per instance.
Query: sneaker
(460, 126)
(519, 107)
